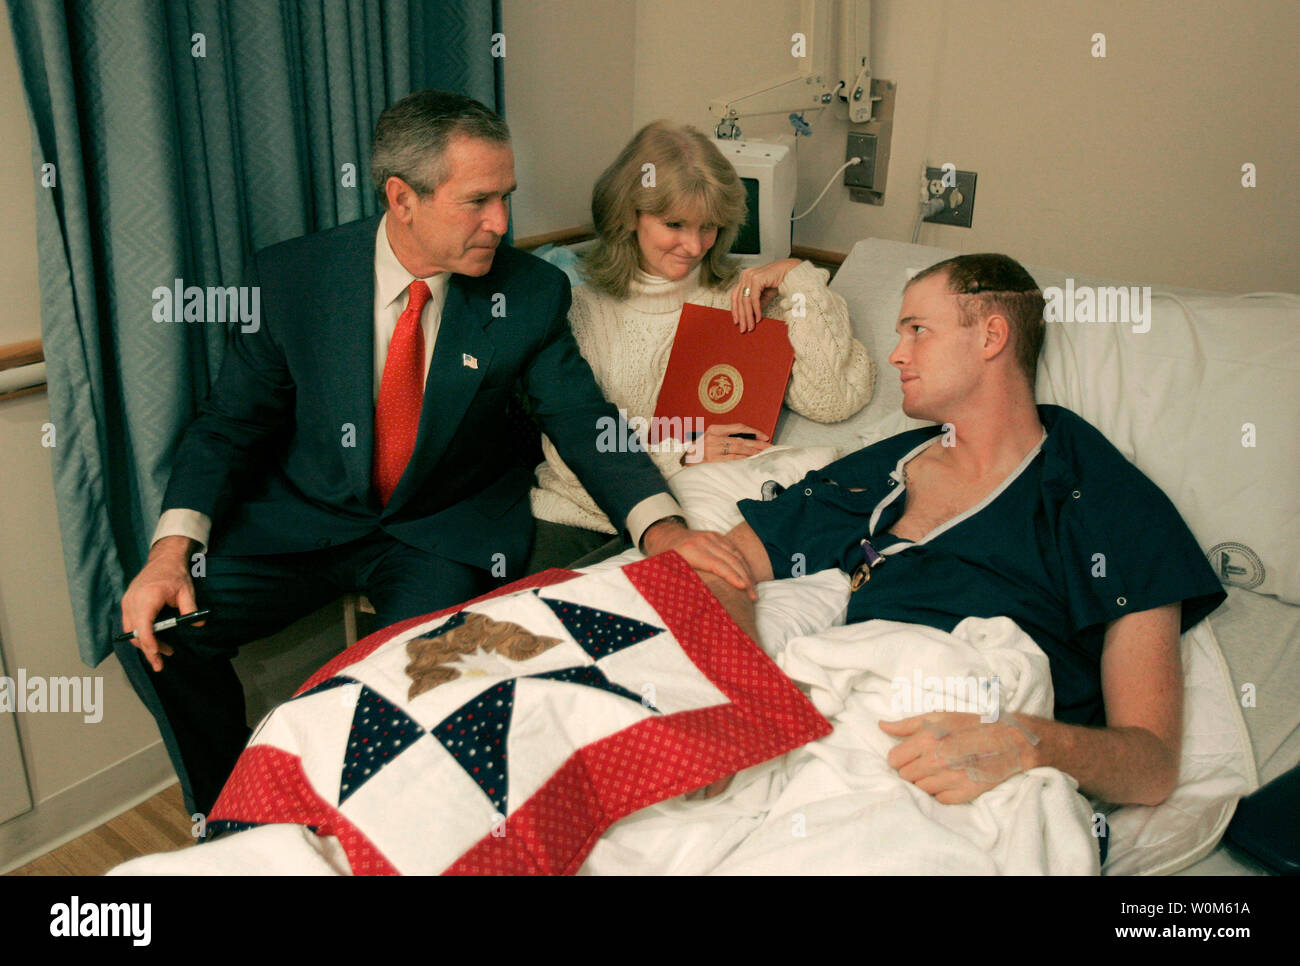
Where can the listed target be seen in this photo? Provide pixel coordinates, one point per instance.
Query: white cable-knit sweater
(628, 342)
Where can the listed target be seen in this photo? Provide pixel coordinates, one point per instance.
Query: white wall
(569, 70)
(1127, 167)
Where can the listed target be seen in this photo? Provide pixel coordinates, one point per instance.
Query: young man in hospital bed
(1003, 508)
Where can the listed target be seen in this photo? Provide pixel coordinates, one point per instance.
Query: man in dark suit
(356, 439)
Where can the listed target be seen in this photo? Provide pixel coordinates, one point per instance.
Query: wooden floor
(160, 824)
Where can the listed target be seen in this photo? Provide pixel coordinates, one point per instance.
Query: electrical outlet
(957, 189)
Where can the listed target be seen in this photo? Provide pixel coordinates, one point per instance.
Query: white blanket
(835, 806)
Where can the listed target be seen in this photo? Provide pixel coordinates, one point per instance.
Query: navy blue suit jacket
(280, 455)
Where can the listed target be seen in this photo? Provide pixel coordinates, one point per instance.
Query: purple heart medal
(871, 558)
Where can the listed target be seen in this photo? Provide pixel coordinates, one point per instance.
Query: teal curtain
(170, 140)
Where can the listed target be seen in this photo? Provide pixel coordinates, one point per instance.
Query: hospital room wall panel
(21, 319)
(1127, 166)
(79, 771)
(568, 79)
(689, 53)
(36, 618)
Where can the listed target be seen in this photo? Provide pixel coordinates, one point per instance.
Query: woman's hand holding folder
(724, 441)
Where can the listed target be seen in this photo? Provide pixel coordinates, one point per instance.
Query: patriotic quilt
(506, 735)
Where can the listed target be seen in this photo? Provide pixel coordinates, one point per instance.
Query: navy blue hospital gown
(1028, 552)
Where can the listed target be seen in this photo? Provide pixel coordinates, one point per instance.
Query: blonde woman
(659, 246)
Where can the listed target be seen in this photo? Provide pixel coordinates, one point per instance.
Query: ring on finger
(746, 292)
(726, 448)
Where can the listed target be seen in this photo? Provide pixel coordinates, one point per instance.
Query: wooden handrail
(21, 354)
(565, 236)
(41, 387)
(18, 354)
(819, 256)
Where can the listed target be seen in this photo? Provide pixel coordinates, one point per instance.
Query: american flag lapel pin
(468, 361)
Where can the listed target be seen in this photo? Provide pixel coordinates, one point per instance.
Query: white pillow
(1180, 401)
(1216, 768)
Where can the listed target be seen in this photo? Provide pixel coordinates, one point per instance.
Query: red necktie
(401, 393)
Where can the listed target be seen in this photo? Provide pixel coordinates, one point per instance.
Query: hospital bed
(1174, 400)
(1200, 395)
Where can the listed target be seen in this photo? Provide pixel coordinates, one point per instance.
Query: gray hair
(412, 135)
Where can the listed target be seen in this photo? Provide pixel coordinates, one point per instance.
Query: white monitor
(767, 170)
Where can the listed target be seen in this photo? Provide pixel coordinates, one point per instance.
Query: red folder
(717, 374)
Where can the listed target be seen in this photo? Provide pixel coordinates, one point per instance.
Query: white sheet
(835, 806)
(267, 850)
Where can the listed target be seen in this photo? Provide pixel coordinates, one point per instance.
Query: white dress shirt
(392, 282)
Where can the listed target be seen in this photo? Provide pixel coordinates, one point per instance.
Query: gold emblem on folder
(721, 388)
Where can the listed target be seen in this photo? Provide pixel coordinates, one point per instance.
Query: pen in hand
(168, 623)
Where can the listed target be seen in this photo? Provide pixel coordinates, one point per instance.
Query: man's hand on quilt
(164, 581)
(957, 756)
(703, 549)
